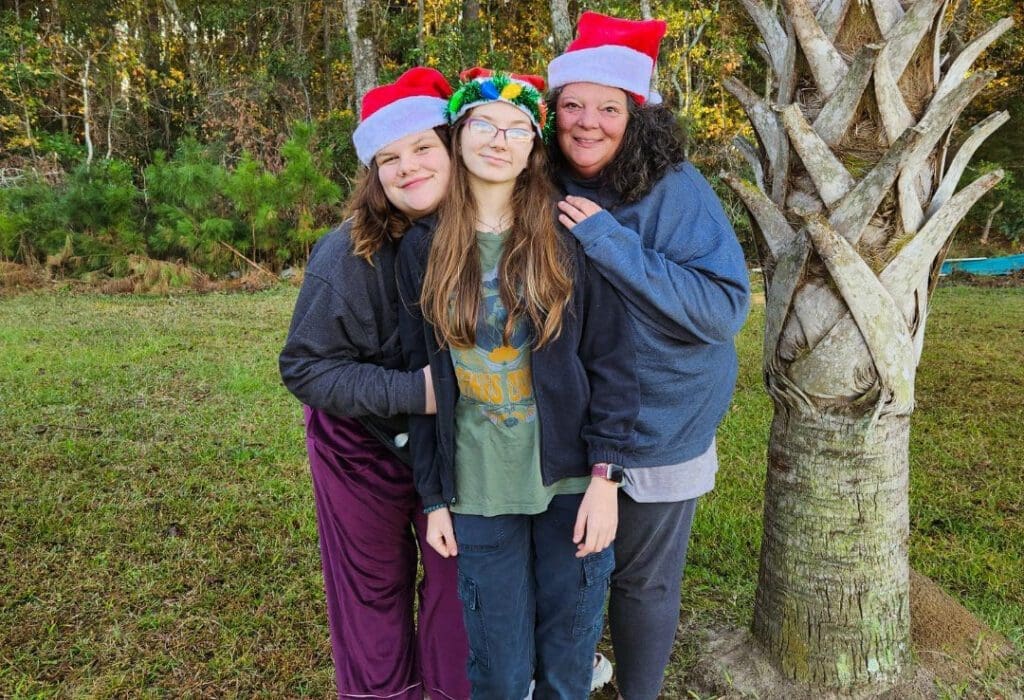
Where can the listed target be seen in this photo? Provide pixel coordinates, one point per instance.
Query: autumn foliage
(182, 129)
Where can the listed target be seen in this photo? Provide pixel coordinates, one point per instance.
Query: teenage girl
(533, 374)
(342, 360)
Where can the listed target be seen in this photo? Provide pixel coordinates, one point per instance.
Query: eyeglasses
(484, 129)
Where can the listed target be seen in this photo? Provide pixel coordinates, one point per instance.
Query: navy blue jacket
(584, 381)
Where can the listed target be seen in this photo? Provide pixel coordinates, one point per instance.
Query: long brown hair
(534, 272)
(375, 220)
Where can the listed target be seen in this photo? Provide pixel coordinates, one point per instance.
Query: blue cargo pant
(531, 608)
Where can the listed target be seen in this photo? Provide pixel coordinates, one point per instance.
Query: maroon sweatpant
(367, 509)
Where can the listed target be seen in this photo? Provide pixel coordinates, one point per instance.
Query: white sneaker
(602, 672)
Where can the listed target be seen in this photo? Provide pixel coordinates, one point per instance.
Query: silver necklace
(503, 225)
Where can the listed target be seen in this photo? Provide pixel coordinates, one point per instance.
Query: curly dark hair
(653, 143)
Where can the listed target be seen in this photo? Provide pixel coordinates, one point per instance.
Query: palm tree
(853, 194)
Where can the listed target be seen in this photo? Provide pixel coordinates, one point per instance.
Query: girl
(652, 225)
(536, 397)
(342, 361)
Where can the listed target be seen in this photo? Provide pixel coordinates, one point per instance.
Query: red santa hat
(611, 51)
(414, 102)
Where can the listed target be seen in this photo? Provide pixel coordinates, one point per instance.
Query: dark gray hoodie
(342, 355)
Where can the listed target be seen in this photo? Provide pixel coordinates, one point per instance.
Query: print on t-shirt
(493, 375)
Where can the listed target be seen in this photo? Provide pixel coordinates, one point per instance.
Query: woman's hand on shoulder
(574, 210)
(441, 533)
(598, 517)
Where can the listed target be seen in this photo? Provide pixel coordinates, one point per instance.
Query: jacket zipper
(540, 417)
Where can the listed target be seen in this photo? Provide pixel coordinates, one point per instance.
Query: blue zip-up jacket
(676, 262)
(584, 381)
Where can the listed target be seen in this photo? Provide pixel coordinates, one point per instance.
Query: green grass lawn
(157, 532)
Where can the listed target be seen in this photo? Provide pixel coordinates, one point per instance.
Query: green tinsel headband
(481, 85)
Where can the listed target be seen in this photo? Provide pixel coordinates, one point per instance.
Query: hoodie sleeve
(323, 362)
(685, 276)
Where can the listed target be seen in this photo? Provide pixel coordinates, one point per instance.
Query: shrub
(191, 215)
(255, 194)
(63, 146)
(307, 194)
(100, 206)
(90, 221)
(32, 223)
(333, 142)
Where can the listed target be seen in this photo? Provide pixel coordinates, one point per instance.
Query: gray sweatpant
(643, 613)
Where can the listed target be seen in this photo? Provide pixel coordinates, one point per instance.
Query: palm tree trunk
(837, 487)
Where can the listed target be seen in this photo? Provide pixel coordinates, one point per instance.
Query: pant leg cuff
(405, 693)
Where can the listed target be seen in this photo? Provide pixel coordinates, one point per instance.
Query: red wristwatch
(606, 470)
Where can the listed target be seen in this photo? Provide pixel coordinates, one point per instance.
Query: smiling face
(494, 157)
(414, 172)
(590, 121)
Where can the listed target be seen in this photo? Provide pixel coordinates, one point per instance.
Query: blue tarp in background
(985, 266)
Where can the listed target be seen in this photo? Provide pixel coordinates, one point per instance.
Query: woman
(342, 360)
(651, 224)
(535, 399)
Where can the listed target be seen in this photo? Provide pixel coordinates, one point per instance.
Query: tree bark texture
(421, 46)
(852, 191)
(86, 111)
(364, 53)
(561, 25)
(328, 53)
(832, 601)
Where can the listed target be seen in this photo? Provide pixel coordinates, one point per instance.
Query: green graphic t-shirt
(497, 436)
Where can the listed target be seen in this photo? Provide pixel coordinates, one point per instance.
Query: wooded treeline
(183, 128)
